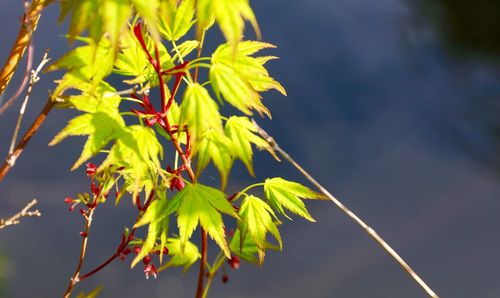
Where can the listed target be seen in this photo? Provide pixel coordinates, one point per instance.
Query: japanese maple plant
(176, 91)
(151, 135)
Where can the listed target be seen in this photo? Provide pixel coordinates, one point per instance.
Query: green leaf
(92, 294)
(84, 15)
(235, 90)
(137, 151)
(282, 193)
(200, 112)
(132, 61)
(241, 132)
(101, 127)
(148, 9)
(177, 18)
(185, 256)
(157, 216)
(88, 63)
(216, 147)
(148, 244)
(229, 14)
(102, 97)
(249, 250)
(203, 204)
(239, 77)
(115, 14)
(185, 49)
(251, 69)
(256, 221)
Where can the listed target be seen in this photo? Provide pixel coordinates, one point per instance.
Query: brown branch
(28, 26)
(370, 231)
(25, 212)
(11, 158)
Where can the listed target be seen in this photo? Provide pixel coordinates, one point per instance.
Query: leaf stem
(219, 260)
(370, 231)
(244, 191)
(198, 54)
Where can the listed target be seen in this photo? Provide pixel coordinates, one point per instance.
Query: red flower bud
(84, 234)
(91, 169)
(234, 262)
(150, 269)
(137, 250)
(68, 200)
(225, 278)
(146, 260)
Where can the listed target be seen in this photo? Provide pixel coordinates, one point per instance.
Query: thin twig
(85, 236)
(28, 26)
(11, 158)
(34, 78)
(274, 145)
(25, 212)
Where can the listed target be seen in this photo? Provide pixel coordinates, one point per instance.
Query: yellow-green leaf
(241, 132)
(203, 204)
(215, 146)
(186, 256)
(148, 9)
(229, 14)
(200, 112)
(256, 221)
(177, 18)
(287, 194)
(115, 14)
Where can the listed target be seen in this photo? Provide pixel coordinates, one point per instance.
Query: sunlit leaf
(185, 49)
(148, 9)
(215, 146)
(200, 112)
(287, 194)
(256, 221)
(241, 132)
(185, 256)
(229, 14)
(203, 204)
(177, 18)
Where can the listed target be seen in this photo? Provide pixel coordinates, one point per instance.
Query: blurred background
(393, 105)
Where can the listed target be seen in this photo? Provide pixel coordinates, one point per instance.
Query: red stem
(138, 35)
(120, 249)
(201, 273)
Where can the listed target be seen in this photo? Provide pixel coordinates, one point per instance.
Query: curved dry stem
(28, 26)
(369, 230)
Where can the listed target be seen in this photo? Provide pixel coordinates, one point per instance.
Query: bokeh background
(393, 104)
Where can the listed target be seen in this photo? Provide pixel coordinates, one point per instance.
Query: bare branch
(25, 212)
(370, 231)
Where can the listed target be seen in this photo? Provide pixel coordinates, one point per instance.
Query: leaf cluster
(157, 44)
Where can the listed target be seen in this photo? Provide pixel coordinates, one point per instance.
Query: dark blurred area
(470, 33)
(392, 104)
